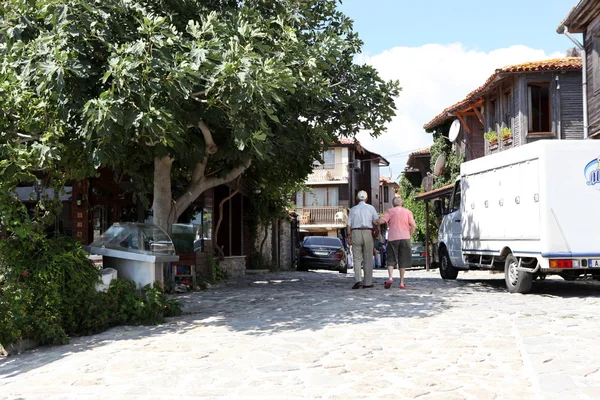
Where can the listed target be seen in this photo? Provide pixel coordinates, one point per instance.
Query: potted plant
(505, 134)
(491, 136)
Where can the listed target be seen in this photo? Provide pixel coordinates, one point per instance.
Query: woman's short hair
(397, 201)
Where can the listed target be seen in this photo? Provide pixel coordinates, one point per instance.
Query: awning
(438, 193)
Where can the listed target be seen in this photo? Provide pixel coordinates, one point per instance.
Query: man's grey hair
(397, 201)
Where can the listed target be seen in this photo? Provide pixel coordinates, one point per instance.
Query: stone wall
(267, 249)
(285, 246)
(234, 266)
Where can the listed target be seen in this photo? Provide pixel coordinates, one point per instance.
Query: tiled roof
(411, 157)
(387, 181)
(432, 193)
(420, 152)
(557, 64)
(346, 141)
(360, 148)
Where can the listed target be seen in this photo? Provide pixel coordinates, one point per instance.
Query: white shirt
(362, 215)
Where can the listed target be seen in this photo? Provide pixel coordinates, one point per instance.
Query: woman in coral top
(401, 226)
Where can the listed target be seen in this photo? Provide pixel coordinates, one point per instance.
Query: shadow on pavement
(307, 300)
(297, 301)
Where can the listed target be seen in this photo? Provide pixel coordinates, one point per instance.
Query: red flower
(26, 273)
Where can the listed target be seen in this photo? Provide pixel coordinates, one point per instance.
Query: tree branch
(199, 171)
(231, 175)
(211, 147)
(195, 189)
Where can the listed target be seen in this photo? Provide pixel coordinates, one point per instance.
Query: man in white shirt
(360, 224)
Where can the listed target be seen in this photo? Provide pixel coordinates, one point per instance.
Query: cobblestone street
(307, 335)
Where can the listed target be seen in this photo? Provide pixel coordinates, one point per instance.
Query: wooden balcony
(324, 175)
(322, 217)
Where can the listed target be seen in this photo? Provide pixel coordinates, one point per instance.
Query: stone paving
(307, 335)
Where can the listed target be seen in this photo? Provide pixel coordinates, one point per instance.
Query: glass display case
(136, 238)
(139, 252)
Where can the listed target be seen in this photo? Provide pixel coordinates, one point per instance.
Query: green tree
(408, 192)
(180, 95)
(442, 146)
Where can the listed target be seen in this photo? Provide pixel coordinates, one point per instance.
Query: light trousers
(362, 251)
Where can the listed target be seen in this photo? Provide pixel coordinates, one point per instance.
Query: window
(300, 199)
(322, 241)
(329, 159)
(344, 193)
(456, 198)
(507, 108)
(539, 107)
(493, 118)
(386, 194)
(318, 197)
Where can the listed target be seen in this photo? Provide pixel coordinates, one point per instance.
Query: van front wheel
(447, 270)
(516, 281)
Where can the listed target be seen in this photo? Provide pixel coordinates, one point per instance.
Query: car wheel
(516, 281)
(447, 270)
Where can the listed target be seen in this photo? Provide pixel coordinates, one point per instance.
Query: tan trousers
(362, 250)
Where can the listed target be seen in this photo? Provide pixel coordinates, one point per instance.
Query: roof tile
(557, 64)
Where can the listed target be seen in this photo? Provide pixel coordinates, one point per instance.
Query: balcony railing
(322, 216)
(328, 175)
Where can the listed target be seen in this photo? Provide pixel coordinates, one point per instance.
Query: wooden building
(347, 168)
(530, 101)
(584, 18)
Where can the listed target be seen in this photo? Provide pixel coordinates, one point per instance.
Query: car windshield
(322, 241)
(418, 247)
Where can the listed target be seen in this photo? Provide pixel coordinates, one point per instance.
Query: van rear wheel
(516, 281)
(447, 270)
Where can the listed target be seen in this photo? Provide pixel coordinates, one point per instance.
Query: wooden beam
(464, 124)
(479, 116)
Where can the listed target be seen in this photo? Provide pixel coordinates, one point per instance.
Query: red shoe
(388, 284)
(402, 286)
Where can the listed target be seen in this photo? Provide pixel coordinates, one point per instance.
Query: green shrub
(47, 293)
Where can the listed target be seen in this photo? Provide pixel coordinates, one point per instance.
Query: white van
(530, 211)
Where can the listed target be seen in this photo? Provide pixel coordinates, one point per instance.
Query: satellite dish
(454, 130)
(440, 163)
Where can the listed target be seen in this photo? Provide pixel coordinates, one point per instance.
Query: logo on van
(592, 172)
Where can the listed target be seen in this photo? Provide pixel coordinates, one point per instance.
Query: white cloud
(432, 77)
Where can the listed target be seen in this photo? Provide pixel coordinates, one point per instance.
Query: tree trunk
(216, 234)
(164, 212)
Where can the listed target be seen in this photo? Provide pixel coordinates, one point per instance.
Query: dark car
(323, 252)
(419, 254)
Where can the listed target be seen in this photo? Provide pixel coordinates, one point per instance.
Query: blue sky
(482, 25)
(440, 50)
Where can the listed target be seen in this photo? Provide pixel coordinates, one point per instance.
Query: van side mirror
(437, 208)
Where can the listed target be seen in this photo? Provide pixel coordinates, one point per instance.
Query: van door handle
(457, 220)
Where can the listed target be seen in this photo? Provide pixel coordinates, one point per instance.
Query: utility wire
(394, 155)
